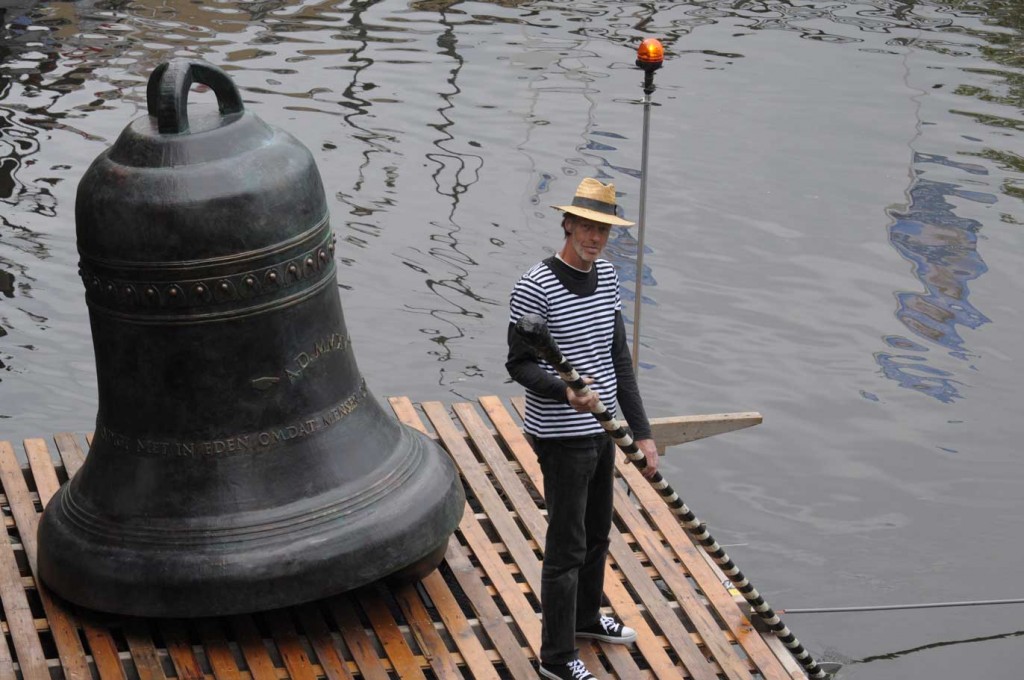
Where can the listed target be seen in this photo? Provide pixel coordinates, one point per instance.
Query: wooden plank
(254, 650)
(58, 614)
(422, 628)
(391, 639)
(406, 413)
(6, 660)
(70, 452)
(475, 475)
(20, 620)
(288, 644)
(20, 499)
(142, 650)
(496, 410)
(647, 642)
(509, 482)
(528, 513)
(320, 639)
(101, 644)
(514, 540)
(674, 576)
(458, 627)
(179, 648)
(41, 465)
(488, 615)
(218, 651)
(681, 429)
(783, 655)
(522, 612)
(356, 639)
(708, 582)
(669, 622)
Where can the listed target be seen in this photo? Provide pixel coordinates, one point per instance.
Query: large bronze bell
(239, 460)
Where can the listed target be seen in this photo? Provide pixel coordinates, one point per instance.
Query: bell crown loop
(168, 88)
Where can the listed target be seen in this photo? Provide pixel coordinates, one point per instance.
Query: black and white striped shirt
(584, 328)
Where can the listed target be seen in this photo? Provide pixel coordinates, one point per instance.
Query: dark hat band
(594, 204)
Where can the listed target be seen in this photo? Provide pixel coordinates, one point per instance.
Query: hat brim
(594, 215)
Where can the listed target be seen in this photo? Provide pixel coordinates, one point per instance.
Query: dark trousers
(578, 491)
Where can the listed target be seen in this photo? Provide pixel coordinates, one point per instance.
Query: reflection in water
(454, 172)
(943, 249)
(936, 645)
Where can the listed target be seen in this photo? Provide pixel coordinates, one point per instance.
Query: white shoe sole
(548, 674)
(615, 640)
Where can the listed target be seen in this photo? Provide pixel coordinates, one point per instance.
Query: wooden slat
(674, 577)
(709, 583)
(179, 648)
(20, 620)
(288, 644)
(254, 650)
(522, 612)
(669, 622)
(698, 564)
(783, 655)
(101, 643)
(647, 642)
(6, 660)
(391, 639)
(70, 453)
(319, 637)
(515, 543)
(62, 624)
(488, 614)
(509, 482)
(355, 637)
(406, 413)
(218, 651)
(526, 510)
(458, 627)
(142, 649)
(104, 651)
(422, 628)
(475, 475)
(514, 540)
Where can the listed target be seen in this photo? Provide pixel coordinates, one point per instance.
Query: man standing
(578, 296)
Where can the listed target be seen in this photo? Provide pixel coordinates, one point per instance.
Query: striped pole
(534, 330)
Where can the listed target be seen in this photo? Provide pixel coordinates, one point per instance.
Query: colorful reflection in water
(943, 248)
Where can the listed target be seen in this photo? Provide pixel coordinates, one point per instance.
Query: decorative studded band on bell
(246, 283)
(240, 461)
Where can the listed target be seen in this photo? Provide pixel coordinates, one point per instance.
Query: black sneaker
(574, 670)
(608, 629)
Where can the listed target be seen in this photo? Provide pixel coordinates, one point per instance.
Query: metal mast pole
(649, 57)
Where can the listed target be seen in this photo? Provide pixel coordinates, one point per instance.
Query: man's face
(588, 238)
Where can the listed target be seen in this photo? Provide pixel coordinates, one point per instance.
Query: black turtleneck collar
(576, 281)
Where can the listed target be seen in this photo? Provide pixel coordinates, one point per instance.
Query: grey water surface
(834, 238)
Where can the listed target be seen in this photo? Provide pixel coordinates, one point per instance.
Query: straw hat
(595, 201)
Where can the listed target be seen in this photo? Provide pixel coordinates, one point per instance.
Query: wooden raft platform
(476, 617)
